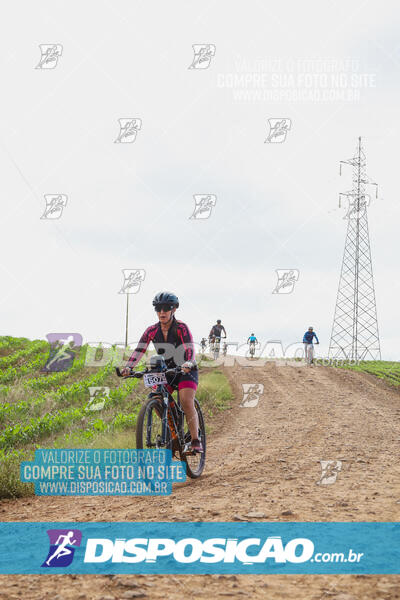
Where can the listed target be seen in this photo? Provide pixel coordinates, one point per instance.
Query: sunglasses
(164, 307)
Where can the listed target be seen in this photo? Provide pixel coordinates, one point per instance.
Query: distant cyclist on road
(169, 330)
(216, 331)
(308, 338)
(252, 340)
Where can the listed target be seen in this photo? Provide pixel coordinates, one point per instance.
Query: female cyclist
(173, 338)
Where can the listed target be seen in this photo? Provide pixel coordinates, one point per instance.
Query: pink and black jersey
(177, 349)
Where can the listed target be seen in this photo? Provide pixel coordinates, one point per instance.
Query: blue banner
(200, 548)
(103, 472)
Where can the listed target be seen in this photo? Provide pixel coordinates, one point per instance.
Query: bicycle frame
(171, 412)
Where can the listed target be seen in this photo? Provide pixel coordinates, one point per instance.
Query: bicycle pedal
(188, 450)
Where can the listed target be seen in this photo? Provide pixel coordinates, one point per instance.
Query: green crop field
(386, 370)
(53, 410)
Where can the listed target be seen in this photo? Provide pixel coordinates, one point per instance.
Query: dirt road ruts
(263, 459)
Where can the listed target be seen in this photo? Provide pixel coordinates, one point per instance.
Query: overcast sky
(128, 204)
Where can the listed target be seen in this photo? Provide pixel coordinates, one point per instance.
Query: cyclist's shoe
(196, 446)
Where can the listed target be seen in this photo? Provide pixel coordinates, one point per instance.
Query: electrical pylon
(355, 334)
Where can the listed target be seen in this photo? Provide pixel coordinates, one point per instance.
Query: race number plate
(151, 379)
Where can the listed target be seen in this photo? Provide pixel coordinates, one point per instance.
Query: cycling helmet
(218, 321)
(166, 298)
(310, 328)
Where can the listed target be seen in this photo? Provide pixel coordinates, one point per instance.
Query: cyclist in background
(216, 331)
(308, 338)
(203, 344)
(252, 339)
(169, 330)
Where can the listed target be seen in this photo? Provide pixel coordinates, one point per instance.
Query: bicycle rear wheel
(195, 462)
(149, 427)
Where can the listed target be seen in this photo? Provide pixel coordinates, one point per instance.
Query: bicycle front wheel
(195, 462)
(149, 427)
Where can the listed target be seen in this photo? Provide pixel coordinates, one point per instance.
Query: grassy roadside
(214, 394)
(113, 428)
(388, 371)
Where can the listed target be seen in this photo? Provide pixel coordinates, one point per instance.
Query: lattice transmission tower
(355, 334)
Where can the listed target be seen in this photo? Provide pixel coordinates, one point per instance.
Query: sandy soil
(263, 459)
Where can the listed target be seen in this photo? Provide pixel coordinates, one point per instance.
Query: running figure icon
(63, 348)
(62, 549)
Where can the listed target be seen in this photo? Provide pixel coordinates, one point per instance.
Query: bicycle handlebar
(139, 374)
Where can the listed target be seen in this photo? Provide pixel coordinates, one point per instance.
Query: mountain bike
(309, 353)
(162, 423)
(217, 347)
(252, 347)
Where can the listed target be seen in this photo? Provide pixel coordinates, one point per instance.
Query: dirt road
(262, 459)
